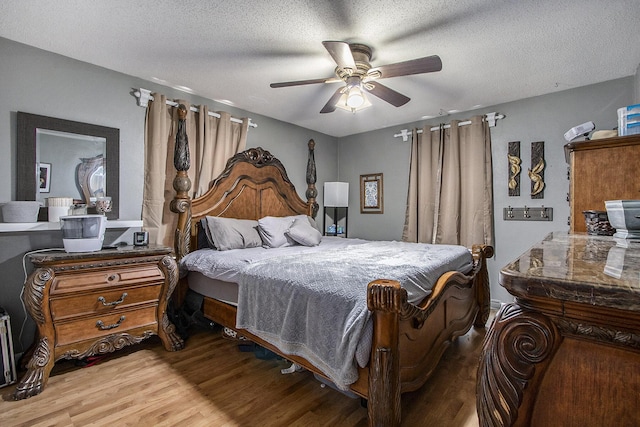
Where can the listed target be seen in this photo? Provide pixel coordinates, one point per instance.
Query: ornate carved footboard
(408, 339)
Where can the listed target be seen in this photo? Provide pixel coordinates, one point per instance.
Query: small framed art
(45, 177)
(371, 194)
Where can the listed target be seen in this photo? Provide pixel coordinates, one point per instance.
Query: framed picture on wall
(45, 177)
(371, 194)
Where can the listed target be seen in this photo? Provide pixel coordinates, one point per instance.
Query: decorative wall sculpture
(536, 173)
(514, 168)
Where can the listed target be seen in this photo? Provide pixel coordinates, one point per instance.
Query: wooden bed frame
(408, 340)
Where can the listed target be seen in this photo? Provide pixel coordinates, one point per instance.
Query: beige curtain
(212, 141)
(450, 198)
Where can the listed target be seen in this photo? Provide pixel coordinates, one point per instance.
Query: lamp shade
(336, 194)
(355, 98)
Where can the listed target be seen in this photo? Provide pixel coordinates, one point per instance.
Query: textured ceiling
(493, 51)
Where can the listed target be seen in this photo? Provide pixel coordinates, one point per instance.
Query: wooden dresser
(602, 169)
(567, 351)
(91, 303)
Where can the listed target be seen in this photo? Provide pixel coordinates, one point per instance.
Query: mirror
(63, 158)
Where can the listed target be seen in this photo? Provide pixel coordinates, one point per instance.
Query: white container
(83, 233)
(624, 216)
(55, 212)
(20, 211)
(58, 206)
(629, 120)
(633, 124)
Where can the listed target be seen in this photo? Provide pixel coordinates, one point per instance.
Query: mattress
(214, 274)
(213, 288)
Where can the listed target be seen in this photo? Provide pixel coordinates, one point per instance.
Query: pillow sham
(313, 223)
(204, 236)
(230, 233)
(272, 231)
(304, 233)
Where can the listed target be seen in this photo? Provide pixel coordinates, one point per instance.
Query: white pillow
(231, 233)
(272, 231)
(304, 233)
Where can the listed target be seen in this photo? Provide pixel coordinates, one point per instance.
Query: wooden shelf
(13, 227)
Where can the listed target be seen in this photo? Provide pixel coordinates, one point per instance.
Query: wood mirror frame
(27, 125)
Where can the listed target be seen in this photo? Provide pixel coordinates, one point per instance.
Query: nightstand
(335, 218)
(92, 303)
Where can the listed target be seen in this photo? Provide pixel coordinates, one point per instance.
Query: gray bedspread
(314, 305)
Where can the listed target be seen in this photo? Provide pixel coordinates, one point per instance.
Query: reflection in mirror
(63, 158)
(95, 186)
(90, 178)
(72, 158)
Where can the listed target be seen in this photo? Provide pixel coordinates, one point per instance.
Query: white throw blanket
(314, 305)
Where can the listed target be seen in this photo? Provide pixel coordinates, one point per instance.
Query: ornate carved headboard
(253, 185)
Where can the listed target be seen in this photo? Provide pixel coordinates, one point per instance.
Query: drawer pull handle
(100, 324)
(108, 304)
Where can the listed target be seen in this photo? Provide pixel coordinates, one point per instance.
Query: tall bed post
(483, 290)
(385, 299)
(312, 191)
(181, 203)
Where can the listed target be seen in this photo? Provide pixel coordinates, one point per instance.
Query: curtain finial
(144, 96)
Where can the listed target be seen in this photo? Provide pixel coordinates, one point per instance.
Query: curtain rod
(489, 117)
(144, 96)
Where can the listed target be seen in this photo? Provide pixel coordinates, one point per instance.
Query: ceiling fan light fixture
(355, 97)
(343, 104)
(353, 67)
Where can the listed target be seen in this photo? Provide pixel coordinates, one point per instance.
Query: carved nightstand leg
(36, 291)
(167, 333)
(38, 370)
(166, 330)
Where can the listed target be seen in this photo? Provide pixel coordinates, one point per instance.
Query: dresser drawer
(112, 323)
(85, 280)
(104, 301)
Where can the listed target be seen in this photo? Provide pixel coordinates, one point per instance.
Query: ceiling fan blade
(427, 64)
(306, 82)
(341, 54)
(330, 106)
(386, 94)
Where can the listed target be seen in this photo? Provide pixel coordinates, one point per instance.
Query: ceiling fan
(353, 68)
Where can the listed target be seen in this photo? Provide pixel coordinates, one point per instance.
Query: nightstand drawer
(65, 282)
(106, 324)
(105, 301)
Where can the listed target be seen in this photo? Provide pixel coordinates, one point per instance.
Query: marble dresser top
(596, 270)
(56, 256)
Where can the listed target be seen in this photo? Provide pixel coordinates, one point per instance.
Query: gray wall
(40, 82)
(543, 118)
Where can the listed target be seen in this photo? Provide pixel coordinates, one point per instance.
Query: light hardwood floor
(212, 383)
